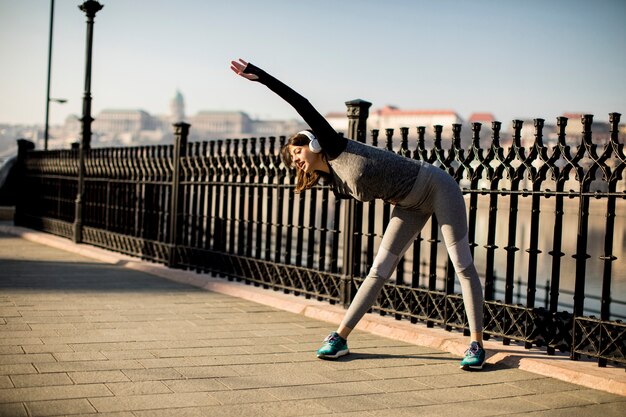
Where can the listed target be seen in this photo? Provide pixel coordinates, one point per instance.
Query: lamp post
(90, 7)
(45, 132)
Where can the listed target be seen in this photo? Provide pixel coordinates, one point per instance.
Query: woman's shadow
(437, 359)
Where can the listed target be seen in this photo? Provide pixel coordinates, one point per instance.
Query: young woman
(416, 189)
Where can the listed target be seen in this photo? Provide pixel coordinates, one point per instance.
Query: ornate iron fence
(227, 207)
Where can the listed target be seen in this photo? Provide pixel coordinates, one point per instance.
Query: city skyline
(513, 60)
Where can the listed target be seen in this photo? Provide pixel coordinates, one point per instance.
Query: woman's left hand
(239, 67)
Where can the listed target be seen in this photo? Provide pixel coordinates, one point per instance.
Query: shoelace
(473, 350)
(331, 338)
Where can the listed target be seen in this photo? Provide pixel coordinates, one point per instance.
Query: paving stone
(40, 334)
(179, 412)
(191, 352)
(11, 350)
(47, 348)
(559, 399)
(497, 406)
(498, 390)
(5, 382)
(473, 408)
(84, 366)
(603, 410)
(92, 377)
(323, 390)
(167, 362)
(79, 356)
(346, 414)
(9, 312)
(196, 385)
(45, 313)
(120, 414)
(397, 385)
(151, 402)
(13, 410)
(127, 354)
(40, 380)
(20, 342)
(16, 325)
(351, 403)
(246, 369)
(59, 407)
(207, 371)
(544, 385)
(459, 378)
(12, 395)
(55, 326)
(157, 374)
(116, 346)
(401, 399)
(243, 396)
(27, 358)
(19, 369)
(598, 396)
(408, 372)
(224, 360)
(140, 388)
(292, 408)
(273, 380)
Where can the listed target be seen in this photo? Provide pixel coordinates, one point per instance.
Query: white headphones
(314, 145)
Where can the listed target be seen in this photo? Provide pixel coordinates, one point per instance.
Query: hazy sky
(516, 59)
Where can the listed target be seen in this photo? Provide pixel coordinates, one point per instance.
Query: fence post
(78, 210)
(357, 112)
(581, 255)
(21, 198)
(181, 132)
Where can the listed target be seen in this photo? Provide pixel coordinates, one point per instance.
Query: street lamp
(45, 132)
(90, 7)
(48, 98)
(46, 128)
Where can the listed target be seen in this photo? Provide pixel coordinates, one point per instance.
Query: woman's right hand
(239, 67)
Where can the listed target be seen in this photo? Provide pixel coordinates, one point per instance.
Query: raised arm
(332, 143)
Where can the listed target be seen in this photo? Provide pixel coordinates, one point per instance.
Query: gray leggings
(434, 192)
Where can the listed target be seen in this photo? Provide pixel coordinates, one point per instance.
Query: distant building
(121, 121)
(219, 124)
(113, 127)
(177, 108)
(276, 127)
(125, 127)
(486, 132)
(574, 131)
(206, 125)
(484, 118)
(390, 117)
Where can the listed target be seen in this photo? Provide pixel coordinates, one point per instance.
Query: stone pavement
(97, 335)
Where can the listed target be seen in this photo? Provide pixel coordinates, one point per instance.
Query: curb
(582, 372)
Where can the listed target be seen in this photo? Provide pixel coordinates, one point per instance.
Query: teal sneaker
(334, 347)
(474, 357)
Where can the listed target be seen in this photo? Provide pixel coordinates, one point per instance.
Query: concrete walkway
(84, 332)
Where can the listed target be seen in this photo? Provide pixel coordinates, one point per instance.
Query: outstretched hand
(239, 67)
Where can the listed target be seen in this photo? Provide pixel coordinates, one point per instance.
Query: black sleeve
(332, 143)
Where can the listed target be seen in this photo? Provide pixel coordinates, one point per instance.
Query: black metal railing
(227, 207)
